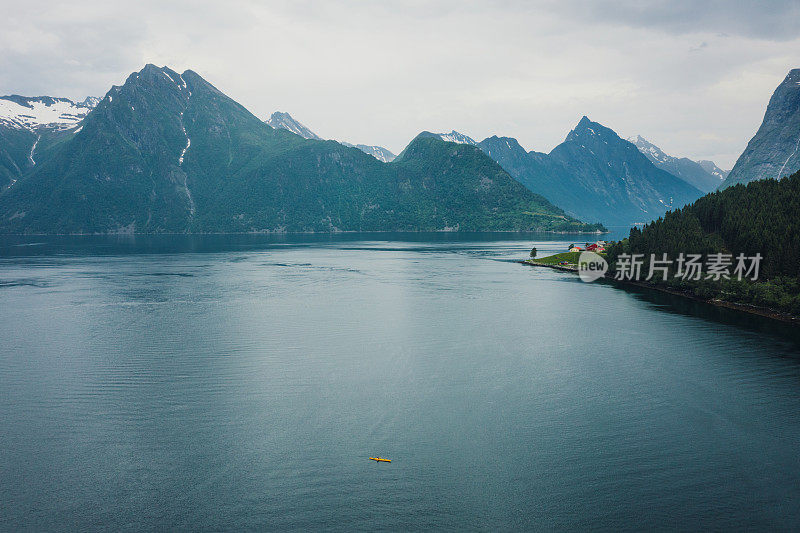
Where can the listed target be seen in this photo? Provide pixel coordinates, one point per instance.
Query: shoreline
(133, 234)
(765, 312)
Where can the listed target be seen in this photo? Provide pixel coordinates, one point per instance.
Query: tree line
(761, 217)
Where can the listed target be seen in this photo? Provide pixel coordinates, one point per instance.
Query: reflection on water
(241, 382)
(11, 246)
(672, 303)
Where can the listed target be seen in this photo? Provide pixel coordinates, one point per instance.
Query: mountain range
(287, 122)
(585, 197)
(168, 152)
(774, 151)
(593, 175)
(704, 175)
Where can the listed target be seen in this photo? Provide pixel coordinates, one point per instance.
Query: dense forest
(758, 218)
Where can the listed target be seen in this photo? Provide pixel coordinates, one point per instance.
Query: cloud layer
(692, 77)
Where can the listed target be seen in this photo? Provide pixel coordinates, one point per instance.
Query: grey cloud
(379, 72)
(65, 49)
(769, 20)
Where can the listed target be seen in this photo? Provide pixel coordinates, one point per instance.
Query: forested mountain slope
(759, 218)
(168, 152)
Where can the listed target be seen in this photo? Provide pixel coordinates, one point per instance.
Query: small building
(576, 249)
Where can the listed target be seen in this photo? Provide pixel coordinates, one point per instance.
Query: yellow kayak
(381, 460)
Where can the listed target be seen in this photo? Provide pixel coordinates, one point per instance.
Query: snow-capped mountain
(30, 125)
(287, 122)
(653, 152)
(378, 152)
(43, 111)
(456, 137)
(705, 176)
(713, 169)
(152, 158)
(91, 101)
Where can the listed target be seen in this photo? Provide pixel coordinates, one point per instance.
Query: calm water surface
(240, 382)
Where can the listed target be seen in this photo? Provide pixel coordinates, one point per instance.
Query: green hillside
(168, 152)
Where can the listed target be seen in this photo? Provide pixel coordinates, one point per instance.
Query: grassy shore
(570, 258)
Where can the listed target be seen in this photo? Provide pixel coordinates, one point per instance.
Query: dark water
(240, 383)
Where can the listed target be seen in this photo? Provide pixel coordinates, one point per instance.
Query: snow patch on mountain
(658, 157)
(280, 120)
(653, 152)
(33, 148)
(378, 152)
(43, 112)
(713, 169)
(704, 175)
(456, 137)
(188, 142)
(90, 102)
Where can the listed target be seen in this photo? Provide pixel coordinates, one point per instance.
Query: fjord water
(242, 382)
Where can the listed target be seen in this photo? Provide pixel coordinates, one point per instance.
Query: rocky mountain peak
(456, 137)
(281, 120)
(593, 131)
(704, 175)
(774, 151)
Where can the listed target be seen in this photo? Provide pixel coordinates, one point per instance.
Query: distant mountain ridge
(287, 122)
(454, 137)
(713, 169)
(168, 152)
(586, 189)
(33, 112)
(378, 152)
(32, 125)
(705, 175)
(594, 175)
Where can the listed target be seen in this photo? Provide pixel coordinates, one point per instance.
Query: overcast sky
(692, 77)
